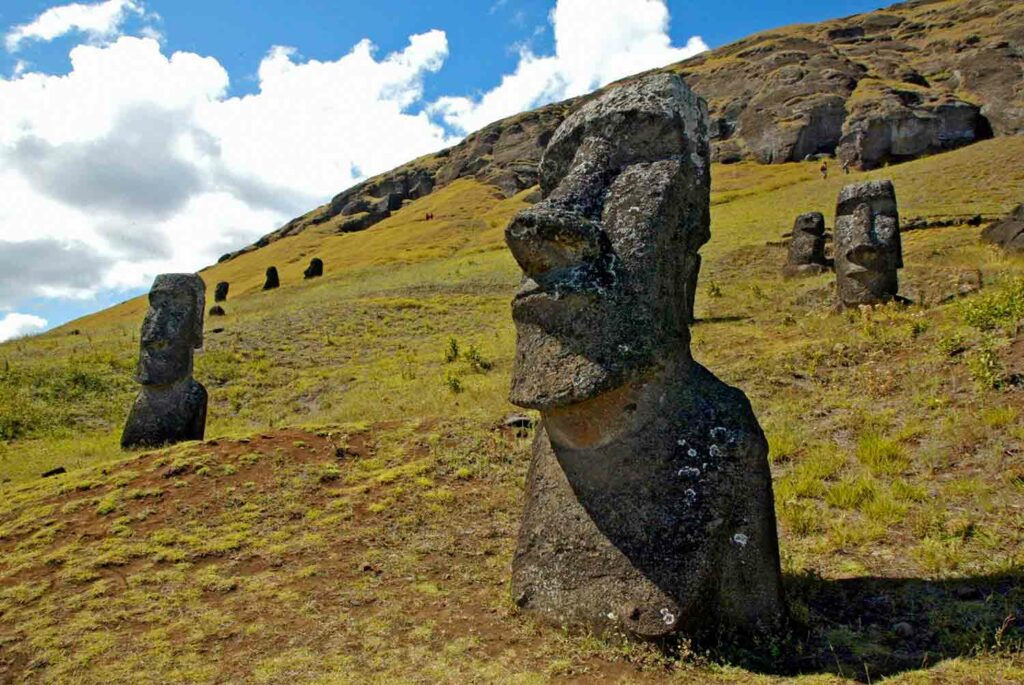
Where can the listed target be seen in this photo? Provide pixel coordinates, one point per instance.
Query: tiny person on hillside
(846, 167)
(824, 169)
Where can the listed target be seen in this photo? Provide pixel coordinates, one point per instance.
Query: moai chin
(171, 407)
(807, 246)
(867, 244)
(649, 503)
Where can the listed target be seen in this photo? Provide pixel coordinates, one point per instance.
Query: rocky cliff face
(887, 86)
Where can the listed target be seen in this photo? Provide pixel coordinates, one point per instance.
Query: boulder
(171, 407)
(1007, 233)
(807, 246)
(649, 505)
(272, 281)
(868, 249)
(315, 269)
(220, 293)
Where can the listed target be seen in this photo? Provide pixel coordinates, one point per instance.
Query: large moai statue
(867, 244)
(807, 246)
(315, 269)
(649, 500)
(171, 407)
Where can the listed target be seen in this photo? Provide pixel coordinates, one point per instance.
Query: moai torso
(867, 244)
(648, 505)
(171, 407)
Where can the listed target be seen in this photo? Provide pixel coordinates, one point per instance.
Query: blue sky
(106, 214)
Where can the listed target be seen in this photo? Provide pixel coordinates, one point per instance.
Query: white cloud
(596, 42)
(15, 325)
(141, 161)
(99, 21)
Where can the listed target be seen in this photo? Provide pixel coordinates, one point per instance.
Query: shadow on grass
(719, 319)
(869, 628)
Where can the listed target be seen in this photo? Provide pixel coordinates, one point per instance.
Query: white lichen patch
(740, 539)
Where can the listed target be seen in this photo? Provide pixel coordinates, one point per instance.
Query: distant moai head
(867, 244)
(220, 293)
(807, 245)
(610, 254)
(272, 281)
(172, 329)
(315, 268)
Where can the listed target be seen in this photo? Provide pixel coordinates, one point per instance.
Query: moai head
(220, 293)
(608, 255)
(867, 243)
(807, 246)
(172, 329)
(272, 281)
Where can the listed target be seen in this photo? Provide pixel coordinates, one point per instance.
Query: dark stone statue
(220, 293)
(171, 407)
(217, 310)
(315, 268)
(867, 242)
(807, 246)
(272, 279)
(649, 503)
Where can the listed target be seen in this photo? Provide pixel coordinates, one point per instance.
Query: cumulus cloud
(138, 162)
(596, 42)
(15, 325)
(98, 21)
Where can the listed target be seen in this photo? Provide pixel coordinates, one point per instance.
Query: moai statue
(171, 407)
(649, 503)
(217, 310)
(272, 280)
(220, 293)
(807, 246)
(315, 268)
(867, 243)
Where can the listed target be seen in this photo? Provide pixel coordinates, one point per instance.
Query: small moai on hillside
(171, 407)
(220, 293)
(648, 506)
(217, 310)
(807, 246)
(272, 280)
(315, 268)
(868, 250)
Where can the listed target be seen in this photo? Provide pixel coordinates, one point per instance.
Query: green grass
(368, 537)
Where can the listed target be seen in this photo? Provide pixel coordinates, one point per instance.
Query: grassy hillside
(353, 515)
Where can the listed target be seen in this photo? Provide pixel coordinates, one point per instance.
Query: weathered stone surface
(272, 280)
(868, 249)
(649, 503)
(171, 405)
(220, 292)
(1007, 233)
(217, 310)
(807, 246)
(315, 268)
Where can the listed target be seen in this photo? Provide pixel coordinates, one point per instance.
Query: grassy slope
(372, 538)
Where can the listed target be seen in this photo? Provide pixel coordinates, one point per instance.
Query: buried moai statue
(649, 504)
(272, 280)
(315, 268)
(171, 407)
(807, 246)
(867, 244)
(220, 292)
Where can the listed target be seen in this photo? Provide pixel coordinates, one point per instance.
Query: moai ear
(200, 308)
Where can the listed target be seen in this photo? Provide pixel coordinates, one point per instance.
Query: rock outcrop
(171, 407)
(649, 503)
(1007, 233)
(869, 252)
(886, 86)
(807, 246)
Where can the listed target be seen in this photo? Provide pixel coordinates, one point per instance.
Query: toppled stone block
(1007, 233)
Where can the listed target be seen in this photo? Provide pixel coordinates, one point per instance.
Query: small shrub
(451, 353)
(453, 382)
(476, 360)
(851, 494)
(985, 367)
(995, 309)
(714, 290)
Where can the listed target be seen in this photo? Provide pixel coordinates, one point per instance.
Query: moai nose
(547, 239)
